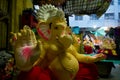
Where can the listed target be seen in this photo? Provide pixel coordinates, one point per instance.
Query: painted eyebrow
(50, 25)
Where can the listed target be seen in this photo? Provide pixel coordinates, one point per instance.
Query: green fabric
(114, 61)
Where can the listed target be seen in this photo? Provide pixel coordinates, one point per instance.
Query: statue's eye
(55, 27)
(50, 25)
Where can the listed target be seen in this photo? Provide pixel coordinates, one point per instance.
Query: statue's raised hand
(24, 45)
(25, 37)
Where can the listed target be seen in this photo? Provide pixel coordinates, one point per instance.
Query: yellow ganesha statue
(53, 51)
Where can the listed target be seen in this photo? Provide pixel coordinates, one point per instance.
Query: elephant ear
(44, 15)
(44, 31)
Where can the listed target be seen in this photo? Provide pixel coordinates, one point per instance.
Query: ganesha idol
(52, 56)
(108, 47)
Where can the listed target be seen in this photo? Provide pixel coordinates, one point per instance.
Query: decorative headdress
(46, 15)
(49, 13)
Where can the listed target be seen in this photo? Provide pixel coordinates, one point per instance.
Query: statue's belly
(69, 63)
(65, 67)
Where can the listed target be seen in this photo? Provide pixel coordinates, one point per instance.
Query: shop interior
(14, 14)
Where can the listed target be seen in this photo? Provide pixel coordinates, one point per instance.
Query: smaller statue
(88, 46)
(108, 47)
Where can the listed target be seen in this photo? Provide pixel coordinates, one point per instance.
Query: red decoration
(28, 18)
(87, 72)
(88, 49)
(36, 73)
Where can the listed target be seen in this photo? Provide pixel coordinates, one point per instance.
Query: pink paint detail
(48, 31)
(14, 39)
(26, 52)
(78, 40)
(41, 34)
